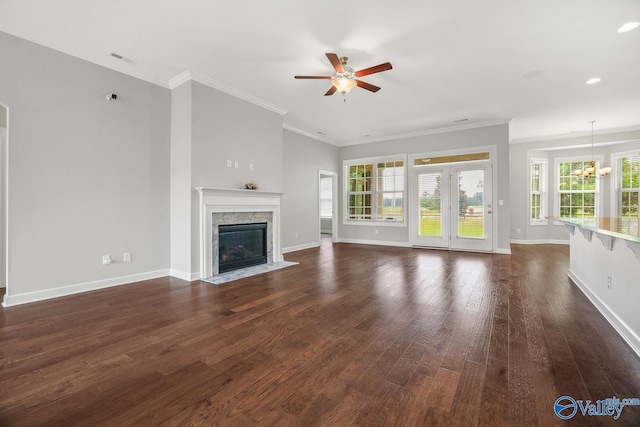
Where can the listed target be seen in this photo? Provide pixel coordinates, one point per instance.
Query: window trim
(556, 183)
(615, 183)
(345, 191)
(543, 190)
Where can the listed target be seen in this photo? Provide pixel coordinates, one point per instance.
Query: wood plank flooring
(353, 335)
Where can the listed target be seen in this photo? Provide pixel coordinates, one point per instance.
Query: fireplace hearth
(241, 245)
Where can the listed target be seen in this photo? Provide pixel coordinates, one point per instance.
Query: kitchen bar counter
(604, 262)
(621, 228)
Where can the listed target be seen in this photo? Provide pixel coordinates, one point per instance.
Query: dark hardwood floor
(353, 335)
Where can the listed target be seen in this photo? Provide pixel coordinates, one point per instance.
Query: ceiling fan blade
(367, 86)
(331, 91)
(371, 70)
(313, 77)
(335, 61)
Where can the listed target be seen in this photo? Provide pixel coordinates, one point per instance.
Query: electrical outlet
(229, 164)
(127, 257)
(295, 235)
(250, 166)
(236, 164)
(608, 282)
(375, 231)
(518, 231)
(106, 259)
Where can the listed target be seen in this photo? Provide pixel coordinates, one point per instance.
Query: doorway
(328, 196)
(453, 205)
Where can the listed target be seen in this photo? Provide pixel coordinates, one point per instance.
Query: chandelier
(589, 167)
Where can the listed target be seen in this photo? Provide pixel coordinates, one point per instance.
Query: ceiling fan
(344, 79)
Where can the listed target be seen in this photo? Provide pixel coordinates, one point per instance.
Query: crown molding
(189, 75)
(569, 136)
(430, 132)
(308, 134)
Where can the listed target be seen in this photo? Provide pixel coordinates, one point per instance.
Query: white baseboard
(540, 242)
(618, 324)
(300, 247)
(376, 242)
(45, 294)
(183, 275)
(503, 251)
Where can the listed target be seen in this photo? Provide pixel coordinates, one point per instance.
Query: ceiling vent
(122, 58)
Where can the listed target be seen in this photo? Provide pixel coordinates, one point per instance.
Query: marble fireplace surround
(233, 206)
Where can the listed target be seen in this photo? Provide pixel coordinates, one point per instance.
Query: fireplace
(221, 207)
(241, 245)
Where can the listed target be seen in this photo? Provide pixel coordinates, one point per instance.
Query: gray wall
(181, 182)
(551, 150)
(485, 136)
(3, 136)
(303, 158)
(87, 177)
(210, 127)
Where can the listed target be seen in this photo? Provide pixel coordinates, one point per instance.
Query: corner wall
(86, 177)
(210, 128)
(303, 158)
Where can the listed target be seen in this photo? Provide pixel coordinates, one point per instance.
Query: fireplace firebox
(241, 245)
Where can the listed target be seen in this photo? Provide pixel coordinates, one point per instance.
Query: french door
(451, 207)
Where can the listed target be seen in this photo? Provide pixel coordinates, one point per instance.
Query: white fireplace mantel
(222, 200)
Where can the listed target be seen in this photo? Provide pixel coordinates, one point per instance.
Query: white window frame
(543, 189)
(374, 199)
(617, 174)
(556, 174)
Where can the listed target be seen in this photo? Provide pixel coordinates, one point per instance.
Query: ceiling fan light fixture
(343, 84)
(345, 78)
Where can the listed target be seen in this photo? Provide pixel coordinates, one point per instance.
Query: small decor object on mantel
(251, 186)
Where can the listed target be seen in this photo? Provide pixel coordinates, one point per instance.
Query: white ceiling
(485, 61)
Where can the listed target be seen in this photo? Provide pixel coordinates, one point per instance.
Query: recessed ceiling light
(460, 120)
(628, 27)
(593, 80)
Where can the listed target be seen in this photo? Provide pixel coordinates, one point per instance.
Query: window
(627, 185)
(326, 202)
(578, 197)
(538, 192)
(375, 190)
